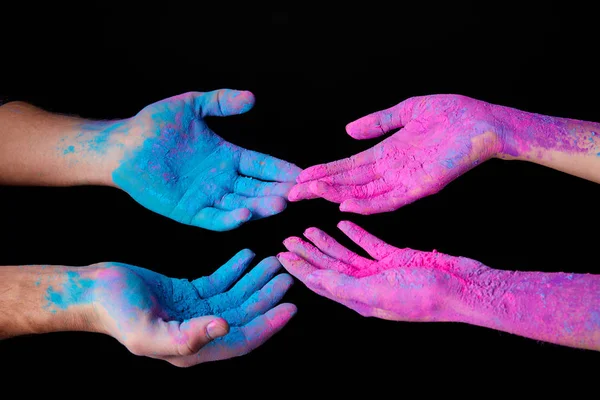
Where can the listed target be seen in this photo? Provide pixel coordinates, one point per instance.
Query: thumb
(182, 339)
(224, 102)
(381, 122)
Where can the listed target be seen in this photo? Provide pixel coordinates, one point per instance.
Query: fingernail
(215, 329)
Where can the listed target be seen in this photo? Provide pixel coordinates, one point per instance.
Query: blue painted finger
(218, 220)
(225, 276)
(245, 287)
(260, 302)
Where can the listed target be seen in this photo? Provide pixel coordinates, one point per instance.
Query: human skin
(165, 157)
(409, 285)
(184, 323)
(440, 138)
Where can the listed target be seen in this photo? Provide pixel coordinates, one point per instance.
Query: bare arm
(41, 299)
(567, 145)
(42, 148)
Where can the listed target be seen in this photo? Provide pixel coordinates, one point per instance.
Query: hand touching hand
(187, 323)
(441, 137)
(397, 284)
(175, 165)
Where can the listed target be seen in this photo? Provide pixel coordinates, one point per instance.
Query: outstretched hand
(187, 323)
(397, 284)
(441, 137)
(175, 165)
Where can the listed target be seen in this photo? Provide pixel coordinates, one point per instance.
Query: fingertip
(245, 99)
(295, 172)
(293, 194)
(242, 215)
(278, 204)
(288, 310)
(216, 328)
(287, 256)
(287, 280)
(272, 261)
(352, 128)
(291, 242)
(344, 224)
(245, 254)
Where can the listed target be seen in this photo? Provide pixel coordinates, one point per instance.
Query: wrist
(73, 301)
(482, 297)
(99, 146)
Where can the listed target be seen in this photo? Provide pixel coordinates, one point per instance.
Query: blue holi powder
(567, 328)
(598, 154)
(72, 292)
(70, 149)
(99, 142)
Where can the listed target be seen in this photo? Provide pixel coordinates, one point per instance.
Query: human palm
(398, 284)
(189, 322)
(175, 165)
(441, 137)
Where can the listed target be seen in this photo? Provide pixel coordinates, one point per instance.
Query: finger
(339, 193)
(296, 265)
(225, 276)
(311, 254)
(381, 122)
(219, 220)
(374, 246)
(332, 248)
(301, 191)
(255, 188)
(336, 167)
(267, 168)
(356, 176)
(174, 338)
(340, 287)
(362, 309)
(242, 340)
(245, 287)
(260, 302)
(224, 102)
(384, 202)
(260, 207)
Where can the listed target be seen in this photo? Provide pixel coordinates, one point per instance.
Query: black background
(312, 71)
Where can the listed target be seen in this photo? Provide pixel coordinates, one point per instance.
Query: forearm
(46, 149)
(41, 299)
(558, 308)
(567, 145)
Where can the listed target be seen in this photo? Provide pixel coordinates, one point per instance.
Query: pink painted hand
(442, 137)
(409, 285)
(397, 284)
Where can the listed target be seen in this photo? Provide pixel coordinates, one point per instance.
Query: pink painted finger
(384, 202)
(331, 247)
(356, 176)
(296, 265)
(311, 254)
(301, 191)
(335, 167)
(340, 193)
(362, 309)
(381, 122)
(339, 286)
(374, 246)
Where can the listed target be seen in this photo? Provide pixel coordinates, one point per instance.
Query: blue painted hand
(185, 323)
(175, 165)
